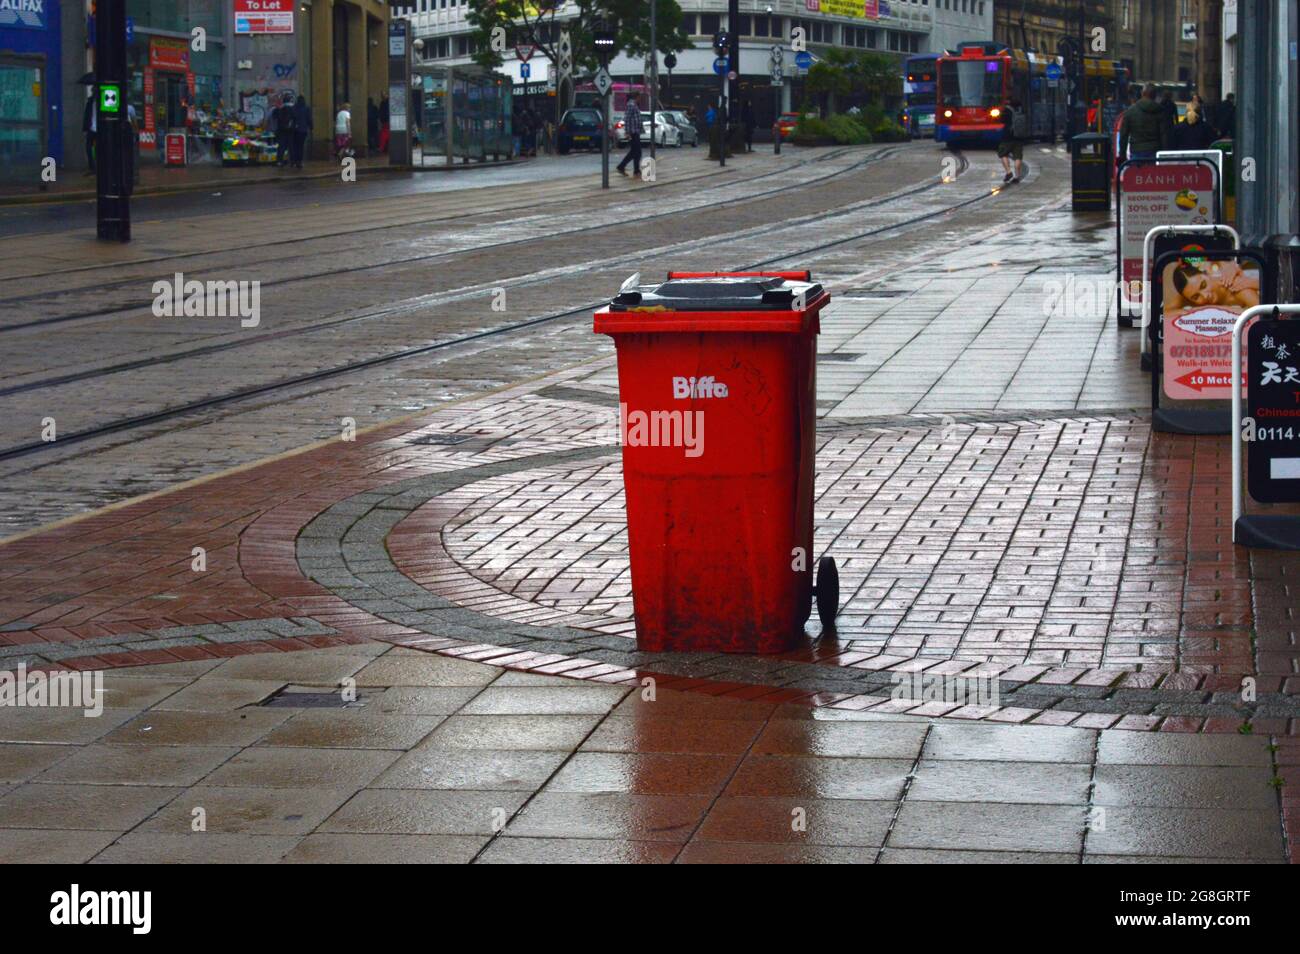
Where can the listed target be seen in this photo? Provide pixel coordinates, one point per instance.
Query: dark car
(579, 129)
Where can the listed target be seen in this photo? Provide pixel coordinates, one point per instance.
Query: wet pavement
(444, 760)
(1002, 515)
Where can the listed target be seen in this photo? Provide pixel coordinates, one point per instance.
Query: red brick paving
(128, 570)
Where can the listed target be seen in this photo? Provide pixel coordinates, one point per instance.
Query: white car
(667, 132)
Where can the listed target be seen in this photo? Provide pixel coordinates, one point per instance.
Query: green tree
(535, 21)
(844, 73)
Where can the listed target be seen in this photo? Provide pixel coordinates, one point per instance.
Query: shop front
(30, 88)
(177, 77)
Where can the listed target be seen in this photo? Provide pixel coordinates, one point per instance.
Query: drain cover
(300, 697)
(441, 439)
(875, 293)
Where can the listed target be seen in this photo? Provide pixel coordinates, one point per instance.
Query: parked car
(666, 131)
(785, 124)
(578, 129)
(687, 133)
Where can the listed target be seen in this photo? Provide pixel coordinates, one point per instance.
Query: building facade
(1170, 42)
(198, 67)
(895, 27)
(40, 62)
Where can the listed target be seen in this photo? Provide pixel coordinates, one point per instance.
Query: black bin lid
(741, 293)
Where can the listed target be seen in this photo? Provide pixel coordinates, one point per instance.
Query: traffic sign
(720, 65)
(603, 82)
(525, 70)
(777, 54)
(110, 99)
(803, 60)
(777, 78)
(1054, 71)
(524, 51)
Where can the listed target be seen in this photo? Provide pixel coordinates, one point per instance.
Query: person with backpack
(1011, 147)
(1144, 130)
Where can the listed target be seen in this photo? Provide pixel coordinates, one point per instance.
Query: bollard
(776, 139)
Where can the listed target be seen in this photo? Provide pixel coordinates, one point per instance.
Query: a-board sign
(1162, 243)
(1153, 194)
(174, 149)
(1197, 297)
(1273, 403)
(1200, 300)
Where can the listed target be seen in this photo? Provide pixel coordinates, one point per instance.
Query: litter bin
(1090, 172)
(717, 417)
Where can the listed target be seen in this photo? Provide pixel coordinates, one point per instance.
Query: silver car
(687, 133)
(667, 132)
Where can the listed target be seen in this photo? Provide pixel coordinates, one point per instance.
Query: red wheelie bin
(717, 418)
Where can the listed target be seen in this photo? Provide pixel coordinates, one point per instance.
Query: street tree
(541, 22)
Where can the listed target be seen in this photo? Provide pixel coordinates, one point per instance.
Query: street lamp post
(654, 78)
(603, 39)
(112, 124)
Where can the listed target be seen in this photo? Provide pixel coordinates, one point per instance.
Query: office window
(710, 23)
(762, 26)
(743, 25)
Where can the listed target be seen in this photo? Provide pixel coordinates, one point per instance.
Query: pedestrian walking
(1144, 130)
(1170, 111)
(88, 131)
(372, 123)
(301, 130)
(1225, 117)
(282, 126)
(747, 118)
(1193, 133)
(383, 123)
(1011, 148)
(632, 123)
(343, 132)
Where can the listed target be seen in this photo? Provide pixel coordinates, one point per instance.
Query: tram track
(503, 207)
(243, 394)
(420, 259)
(453, 295)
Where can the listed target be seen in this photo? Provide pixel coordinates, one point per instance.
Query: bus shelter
(462, 113)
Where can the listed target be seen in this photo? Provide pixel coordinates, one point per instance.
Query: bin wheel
(827, 592)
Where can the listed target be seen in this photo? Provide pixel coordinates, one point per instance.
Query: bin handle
(803, 276)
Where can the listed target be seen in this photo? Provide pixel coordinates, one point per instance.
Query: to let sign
(263, 16)
(1273, 400)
